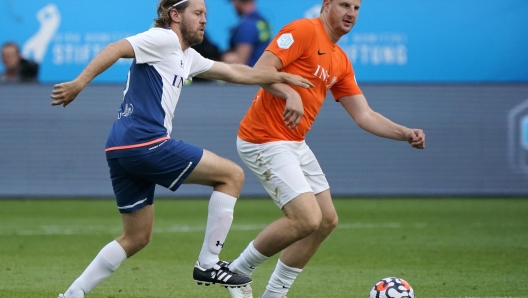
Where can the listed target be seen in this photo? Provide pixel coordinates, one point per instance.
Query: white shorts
(286, 169)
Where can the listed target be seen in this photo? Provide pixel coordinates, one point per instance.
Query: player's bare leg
(296, 256)
(302, 218)
(222, 174)
(137, 230)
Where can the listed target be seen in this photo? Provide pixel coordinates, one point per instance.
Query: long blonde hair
(164, 7)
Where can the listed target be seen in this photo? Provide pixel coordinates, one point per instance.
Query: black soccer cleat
(220, 275)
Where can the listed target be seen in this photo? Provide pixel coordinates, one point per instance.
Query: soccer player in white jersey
(140, 152)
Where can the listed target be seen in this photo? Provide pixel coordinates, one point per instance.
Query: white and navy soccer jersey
(152, 90)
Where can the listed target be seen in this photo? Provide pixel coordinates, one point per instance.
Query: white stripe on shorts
(173, 183)
(133, 205)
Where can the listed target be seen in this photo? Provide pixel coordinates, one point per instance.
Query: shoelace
(223, 266)
(219, 265)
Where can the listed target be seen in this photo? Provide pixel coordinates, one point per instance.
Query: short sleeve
(347, 84)
(199, 64)
(153, 45)
(292, 41)
(247, 32)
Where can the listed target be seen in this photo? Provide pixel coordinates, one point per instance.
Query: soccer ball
(392, 287)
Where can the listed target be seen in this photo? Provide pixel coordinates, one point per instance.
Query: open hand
(293, 111)
(296, 80)
(64, 93)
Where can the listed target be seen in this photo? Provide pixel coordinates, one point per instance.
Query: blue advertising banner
(394, 41)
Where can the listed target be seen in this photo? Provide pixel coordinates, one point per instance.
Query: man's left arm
(375, 123)
(240, 54)
(244, 38)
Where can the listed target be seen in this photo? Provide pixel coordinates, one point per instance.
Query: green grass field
(442, 247)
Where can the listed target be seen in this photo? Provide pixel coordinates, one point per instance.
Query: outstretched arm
(64, 93)
(242, 74)
(375, 123)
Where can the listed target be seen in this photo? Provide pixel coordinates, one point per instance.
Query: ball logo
(518, 138)
(382, 286)
(392, 287)
(285, 41)
(128, 110)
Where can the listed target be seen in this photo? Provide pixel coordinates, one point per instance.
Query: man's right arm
(64, 93)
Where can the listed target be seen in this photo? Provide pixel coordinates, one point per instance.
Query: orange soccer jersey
(305, 49)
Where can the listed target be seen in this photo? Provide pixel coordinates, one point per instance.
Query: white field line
(101, 229)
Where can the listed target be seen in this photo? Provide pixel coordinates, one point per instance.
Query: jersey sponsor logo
(285, 41)
(324, 75)
(178, 81)
(332, 82)
(321, 73)
(320, 53)
(129, 109)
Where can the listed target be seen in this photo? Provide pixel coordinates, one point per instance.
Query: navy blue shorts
(134, 178)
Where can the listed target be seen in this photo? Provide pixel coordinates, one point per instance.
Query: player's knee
(307, 229)
(141, 240)
(328, 224)
(145, 239)
(236, 176)
(307, 225)
(134, 242)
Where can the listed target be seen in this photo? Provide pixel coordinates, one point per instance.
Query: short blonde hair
(322, 6)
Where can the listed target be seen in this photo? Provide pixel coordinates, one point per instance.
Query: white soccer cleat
(242, 292)
(75, 294)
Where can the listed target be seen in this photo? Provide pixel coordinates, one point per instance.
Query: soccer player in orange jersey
(271, 141)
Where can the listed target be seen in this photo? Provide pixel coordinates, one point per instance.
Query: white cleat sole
(241, 292)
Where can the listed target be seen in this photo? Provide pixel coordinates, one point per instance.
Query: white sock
(281, 281)
(104, 264)
(219, 221)
(248, 261)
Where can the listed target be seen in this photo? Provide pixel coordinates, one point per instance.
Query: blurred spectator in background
(210, 51)
(250, 37)
(16, 68)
